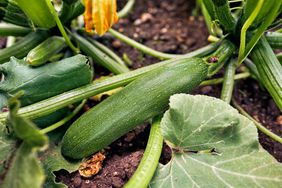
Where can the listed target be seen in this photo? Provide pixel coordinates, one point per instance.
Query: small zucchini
(139, 101)
(270, 70)
(44, 51)
(23, 46)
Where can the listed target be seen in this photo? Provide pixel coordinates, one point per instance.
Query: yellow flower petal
(88, 15)
(103, 15)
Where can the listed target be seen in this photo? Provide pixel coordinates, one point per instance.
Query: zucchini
(142, 99)
(44, 51)
(22, 47)
(270, 70)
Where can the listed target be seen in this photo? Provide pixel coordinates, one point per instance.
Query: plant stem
(257, 124)
(126, 9)
(223, 14)
(216, 81)
(222, 54)
(61, 27)
(260, 30)
(150, 160)
(99, 56)
(274, 39)
(64, 120)
(228, 83)
(279, 57)
(142, 47)
(245, 27)
(269, 68)
(13, 30)
(252, 67)
(208, 19)
(107, 51)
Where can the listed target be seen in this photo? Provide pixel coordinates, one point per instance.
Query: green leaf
(45, 81)
(53, 161)
(25, 169)
(214, 146)
(271, 8)
(7, 146)
(23, 128)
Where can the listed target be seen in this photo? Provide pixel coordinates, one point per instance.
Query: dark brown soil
(168, 26)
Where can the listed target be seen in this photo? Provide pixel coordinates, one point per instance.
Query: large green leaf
(213, 146)
(45, 81)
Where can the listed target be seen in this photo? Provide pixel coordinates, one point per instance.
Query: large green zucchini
(139, 101)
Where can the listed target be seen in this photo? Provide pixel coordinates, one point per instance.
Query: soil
(169, 26)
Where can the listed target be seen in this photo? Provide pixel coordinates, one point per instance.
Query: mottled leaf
(53, 161)
(45, 81)
(25, 169)
(7, 146)
(214, 146)
(23, 128)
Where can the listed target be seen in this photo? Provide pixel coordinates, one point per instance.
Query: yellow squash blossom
(100, 15)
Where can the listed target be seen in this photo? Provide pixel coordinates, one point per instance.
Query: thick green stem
(244, 29)
(279, 57)
(207, 16)
(216, 81)
(261, 29)
(257, 124)
(61, 27)
(13, 30)
(228, 83)
(220, 57)
(150, 160)
(107, 51)
(142, 47)
(126, 9)
(274, 39)
(269, 68)
(223, 14)
(209, 6)
(99, 56)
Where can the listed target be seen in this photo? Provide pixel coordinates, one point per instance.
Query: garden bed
(169, 26)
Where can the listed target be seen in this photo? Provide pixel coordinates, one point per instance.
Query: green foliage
(24, 170)
(45, 81)
(52, 161)
(44, 19)
(213, 146)
(269, 69)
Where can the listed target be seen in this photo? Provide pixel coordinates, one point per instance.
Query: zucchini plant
(47, 77)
